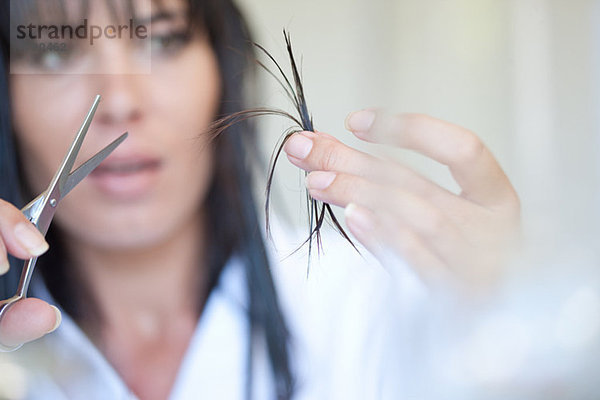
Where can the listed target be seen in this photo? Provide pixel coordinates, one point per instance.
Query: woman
(169, 197)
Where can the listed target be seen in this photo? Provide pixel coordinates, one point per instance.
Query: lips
(126, 167)
(127, 177)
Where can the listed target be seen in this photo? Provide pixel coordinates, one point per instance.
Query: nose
(121, 101)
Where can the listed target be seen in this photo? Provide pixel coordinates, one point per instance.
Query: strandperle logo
(83, 31)
(75, 39)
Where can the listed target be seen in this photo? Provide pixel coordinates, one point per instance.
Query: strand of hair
(274, 158)
(283, 86)
(287, 81)
(302, 109)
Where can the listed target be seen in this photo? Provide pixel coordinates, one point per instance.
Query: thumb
(27, 320)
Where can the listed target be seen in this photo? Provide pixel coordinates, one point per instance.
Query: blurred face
(157, 179)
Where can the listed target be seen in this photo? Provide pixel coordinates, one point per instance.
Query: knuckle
(339, 186)
(513, 207)
(470, 148)
(4, 207)
(433, 223)
(515, 204)
(329, 156)
(345, 185)
(9, 212)
(509, 205)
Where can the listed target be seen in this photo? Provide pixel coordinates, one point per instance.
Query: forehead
(54, 11)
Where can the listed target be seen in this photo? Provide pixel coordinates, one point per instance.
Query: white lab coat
(343, 317)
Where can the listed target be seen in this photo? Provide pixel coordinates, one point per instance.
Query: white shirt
(343, 317)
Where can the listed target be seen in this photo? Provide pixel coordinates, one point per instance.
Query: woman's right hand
(29, 318)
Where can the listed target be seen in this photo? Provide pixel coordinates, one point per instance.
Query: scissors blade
(60, 179)
(32, 210)
(86, 168)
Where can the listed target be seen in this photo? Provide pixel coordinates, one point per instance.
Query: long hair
(233, 222)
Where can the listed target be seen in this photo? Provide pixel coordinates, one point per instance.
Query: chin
(144, 230)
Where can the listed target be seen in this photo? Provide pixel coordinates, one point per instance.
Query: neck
(146, 287)
(149, 300)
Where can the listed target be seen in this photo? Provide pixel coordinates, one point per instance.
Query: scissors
(40, 210)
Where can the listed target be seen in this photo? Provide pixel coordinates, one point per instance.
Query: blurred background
(522, 74)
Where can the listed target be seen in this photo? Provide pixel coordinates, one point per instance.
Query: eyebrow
(159, 17)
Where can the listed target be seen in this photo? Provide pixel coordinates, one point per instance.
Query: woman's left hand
(398, 214)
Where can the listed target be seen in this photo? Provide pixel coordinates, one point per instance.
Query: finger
(391, 247)
(472, 165)
(4, 265)
(21, 237)
(390, 204)
(27, 320)
(322, 152)
(311, 151)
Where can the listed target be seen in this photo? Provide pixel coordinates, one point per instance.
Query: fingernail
(58, 319)
(30, 238)
(320, 180)
(4, 267)
(298, 146)
(360, 121)
(356, 217)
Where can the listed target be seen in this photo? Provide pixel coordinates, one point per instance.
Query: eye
(52, 56)
(170, 43)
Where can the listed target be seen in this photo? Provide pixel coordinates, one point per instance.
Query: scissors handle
(26, 275)
(4, 306)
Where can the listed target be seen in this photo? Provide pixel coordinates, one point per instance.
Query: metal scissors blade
(63, 172)
(41, 210)
(87, 167)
